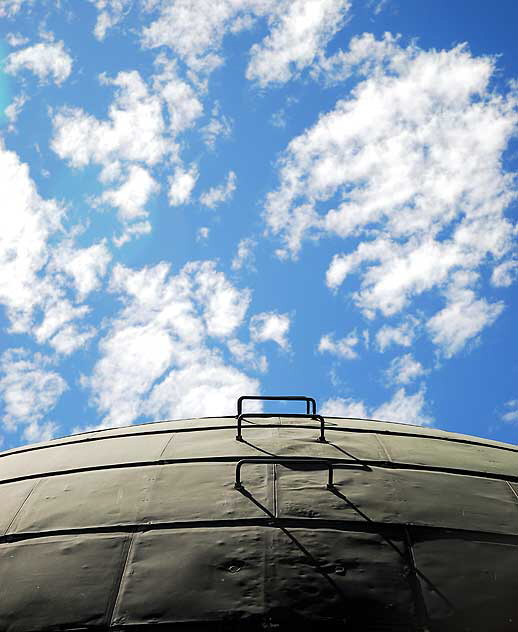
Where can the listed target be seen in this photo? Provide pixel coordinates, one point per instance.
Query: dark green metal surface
(142, 528)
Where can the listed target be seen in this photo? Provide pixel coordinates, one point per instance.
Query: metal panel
(12, 497)
(398, 496)
(469, 585)
(66, 581)
(204, 491)
(455, 501)
(86, 499)
(360, 579)
(360, 496)
(193, 575)
(287, 439)
(439, 453)
(217, 443)
(284, 575)
(83, 455)
(395, 428)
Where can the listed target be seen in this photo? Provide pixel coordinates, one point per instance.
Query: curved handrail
(310, 401)
(283, 461)
(321, 438)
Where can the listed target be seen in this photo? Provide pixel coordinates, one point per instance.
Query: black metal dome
(342, 523)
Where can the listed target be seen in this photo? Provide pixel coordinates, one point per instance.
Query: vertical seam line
(512, 490)
(38, 482)
(110, 611)
(166, 445)
(383, 447)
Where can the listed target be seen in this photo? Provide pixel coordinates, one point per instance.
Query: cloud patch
(403, 408)
(49, 61)
(161, 355)
(220, 194)
(30, 390)
(409, 171)
(271, 326)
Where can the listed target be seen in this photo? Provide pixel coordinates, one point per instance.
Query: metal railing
(266, 460)
(311, 408)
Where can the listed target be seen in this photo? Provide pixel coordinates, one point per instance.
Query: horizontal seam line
(259, 426)
(234, 459)
(314, 523)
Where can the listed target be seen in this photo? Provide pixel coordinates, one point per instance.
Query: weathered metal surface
(68, 581)
(469, 584)
(142, 526)
(193, 575)
(447, 501)
(88, 455)
(447, 454)
(97, 498)
(201, 492)
(12, 497)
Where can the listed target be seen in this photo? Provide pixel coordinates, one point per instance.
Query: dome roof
(381, 526)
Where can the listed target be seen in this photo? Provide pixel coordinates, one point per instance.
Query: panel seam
(115, 598)
(166, 445)
(383, 447)
(38, 482)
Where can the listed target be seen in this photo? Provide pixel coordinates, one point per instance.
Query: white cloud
(404, 369)
(219, 126)
(58, 313)
(224, 306)
(70, 338)
(35, 275)
(505, 274)
(183, 105)
(45, 431)
(155, 359)
(364, 56)
(410, 167)
(12, 111)
(85, 266)
(344, 407)
(404, 408)
(194, 30)
(138, 135)
(401, 408)
(134, 131)
(220, 194)
(181, 185)
(9, 8)
(300, 30)
(463, 318)
(247, 355)
(15, 39)
(511, 415)
(47, 60)
(203, 388)
(245, 255)
(202, 234)
(131, 197)
(344, 347)
(402, 335)
(30, 390)
(27, 223)
(111, 13)
(271, 326)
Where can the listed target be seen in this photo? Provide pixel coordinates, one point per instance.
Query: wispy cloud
(271, 326)
(344, 347)
(30, 389)
(47, 60)
(220, 194)
(403, 407)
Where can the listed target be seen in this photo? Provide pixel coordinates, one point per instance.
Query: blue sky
(203, 199)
